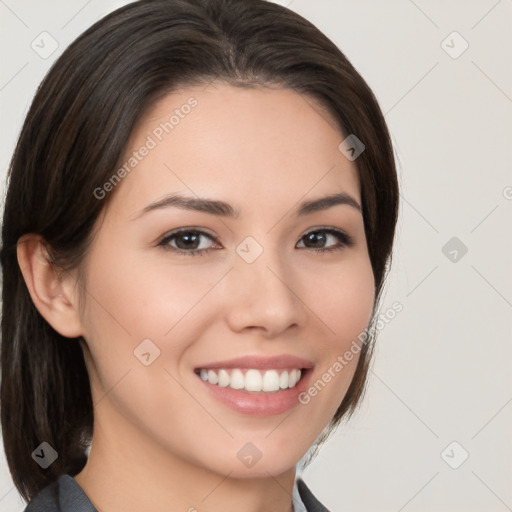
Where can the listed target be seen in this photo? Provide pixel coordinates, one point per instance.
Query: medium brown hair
(72, 140)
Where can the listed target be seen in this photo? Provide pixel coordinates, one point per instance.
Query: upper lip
(258, 362)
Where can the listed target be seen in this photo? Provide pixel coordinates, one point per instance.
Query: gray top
(65, 495)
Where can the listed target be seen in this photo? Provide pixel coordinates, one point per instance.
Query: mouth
(253, 380)
(257, 387)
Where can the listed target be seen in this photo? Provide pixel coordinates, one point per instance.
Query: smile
(254, 380)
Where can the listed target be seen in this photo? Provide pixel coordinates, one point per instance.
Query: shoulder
(46, 500)
(308, 498)
(62, 495)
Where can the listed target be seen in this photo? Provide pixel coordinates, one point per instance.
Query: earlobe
(52, 292)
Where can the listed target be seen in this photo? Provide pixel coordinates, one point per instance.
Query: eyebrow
(223, 209)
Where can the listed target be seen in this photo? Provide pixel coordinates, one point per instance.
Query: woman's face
(247, 285)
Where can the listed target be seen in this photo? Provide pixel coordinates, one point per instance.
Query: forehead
(251, 146)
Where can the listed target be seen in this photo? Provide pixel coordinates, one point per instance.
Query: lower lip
(259, 403)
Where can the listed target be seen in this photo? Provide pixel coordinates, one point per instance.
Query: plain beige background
(433, 433)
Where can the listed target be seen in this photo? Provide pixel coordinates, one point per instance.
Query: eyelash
(345, 240)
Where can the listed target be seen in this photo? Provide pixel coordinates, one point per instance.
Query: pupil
(190, 240)
(314, 237)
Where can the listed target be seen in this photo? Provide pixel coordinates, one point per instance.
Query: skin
(160, 440)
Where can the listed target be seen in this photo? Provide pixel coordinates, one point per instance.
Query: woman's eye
(187, 242)
(191, 242)
(319, 238)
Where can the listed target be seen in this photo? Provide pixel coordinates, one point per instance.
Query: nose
(264, 295)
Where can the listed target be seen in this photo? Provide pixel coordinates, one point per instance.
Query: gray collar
(66, 495)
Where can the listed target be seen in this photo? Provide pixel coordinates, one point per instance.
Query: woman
(135, 377)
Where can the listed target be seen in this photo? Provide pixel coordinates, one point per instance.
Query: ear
(53, 292)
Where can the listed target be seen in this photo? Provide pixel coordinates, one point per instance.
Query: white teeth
(212, 377)
(283, 380)
(293, 379)
(223, 379)
(237, 380)
(271, 380)
(253, 380)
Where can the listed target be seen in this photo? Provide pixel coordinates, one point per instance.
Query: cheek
(343, 298)
(131, 301)
(148, 300)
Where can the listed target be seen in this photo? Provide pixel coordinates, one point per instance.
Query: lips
(256, 385)
(280, 362)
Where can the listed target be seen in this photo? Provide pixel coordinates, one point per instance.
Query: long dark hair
(72, 140)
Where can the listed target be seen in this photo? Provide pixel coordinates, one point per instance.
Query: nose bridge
(262, 293)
